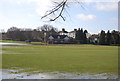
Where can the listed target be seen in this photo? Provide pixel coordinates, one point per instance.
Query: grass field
(62, 58)
(10, 41)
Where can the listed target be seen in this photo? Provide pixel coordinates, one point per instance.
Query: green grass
(10, 41)
(62, 58)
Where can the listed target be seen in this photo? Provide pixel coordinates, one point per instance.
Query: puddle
(12, 74)
(3, 43)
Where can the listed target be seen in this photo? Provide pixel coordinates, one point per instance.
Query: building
(71, 34)
(58, 39)
(88, 35)
(94, 39)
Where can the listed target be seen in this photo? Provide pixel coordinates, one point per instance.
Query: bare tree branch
(60, 7)
(60, 14)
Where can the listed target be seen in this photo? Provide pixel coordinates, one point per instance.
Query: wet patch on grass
(15, 74)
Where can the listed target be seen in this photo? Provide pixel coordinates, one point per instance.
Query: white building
(88, 35)
(69, 34)
(72, 34)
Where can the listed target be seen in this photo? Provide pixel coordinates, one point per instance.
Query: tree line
(38, 34)
(109, 37)
(103, 38)
(41, 34)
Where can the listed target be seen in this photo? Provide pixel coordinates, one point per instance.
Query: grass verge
(62, 58)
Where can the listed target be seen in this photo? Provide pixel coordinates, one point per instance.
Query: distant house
(88, 35)
(63, 32)
(94, 39)
(58, 39)
(117, 32)
(71, 34)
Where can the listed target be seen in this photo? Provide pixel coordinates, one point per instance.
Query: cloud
(30, 15)
(107, 6)
(41, 6)
(86, 17)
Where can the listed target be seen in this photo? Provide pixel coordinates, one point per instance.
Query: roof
(72, 32)
(63, 32)
(117, 32)
(58, 36)
(94, 36)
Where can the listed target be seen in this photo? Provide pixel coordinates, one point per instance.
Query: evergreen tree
(78, 35)
(81, 36)
(85, 31)
(108, 38)
(102, 38)
(84, 36)
(115, 37)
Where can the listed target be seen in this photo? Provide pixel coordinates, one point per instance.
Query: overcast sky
(96, 16)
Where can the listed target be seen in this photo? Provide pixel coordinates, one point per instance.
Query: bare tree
(47, 28)
(14, 33)
(59, 7)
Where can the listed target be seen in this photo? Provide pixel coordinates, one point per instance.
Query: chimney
(63, 29)
(75, 29)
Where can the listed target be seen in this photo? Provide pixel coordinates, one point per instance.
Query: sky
(96, 15)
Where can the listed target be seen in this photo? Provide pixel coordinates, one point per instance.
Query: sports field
(62, 58)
